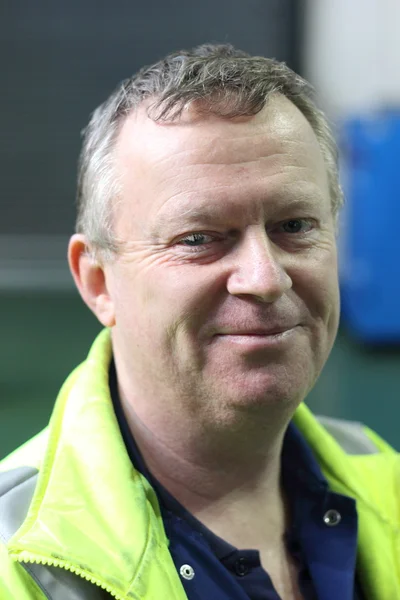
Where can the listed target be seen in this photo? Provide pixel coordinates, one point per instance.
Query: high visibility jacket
(78, 522)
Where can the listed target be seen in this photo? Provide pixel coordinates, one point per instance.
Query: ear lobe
(90, 279)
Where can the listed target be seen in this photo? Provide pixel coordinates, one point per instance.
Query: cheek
(156, 301)
(318, 287)
(183, 301)
(318, 291)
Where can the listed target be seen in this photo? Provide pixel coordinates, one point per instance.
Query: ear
(90, 279)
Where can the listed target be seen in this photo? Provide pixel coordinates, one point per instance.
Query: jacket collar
(91, 509)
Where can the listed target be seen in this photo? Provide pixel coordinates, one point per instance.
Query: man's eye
(297, 226)
(196, 239)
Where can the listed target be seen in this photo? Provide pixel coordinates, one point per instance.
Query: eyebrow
(204, 214)
(211, 213)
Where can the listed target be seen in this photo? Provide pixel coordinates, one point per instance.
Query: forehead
(199, 155)
(280, 121)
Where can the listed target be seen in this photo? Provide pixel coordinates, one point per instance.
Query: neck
(216, 475)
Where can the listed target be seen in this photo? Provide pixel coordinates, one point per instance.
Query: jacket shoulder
(29, 454)
(354, 437)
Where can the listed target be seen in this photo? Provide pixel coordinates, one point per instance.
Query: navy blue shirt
(322, 538)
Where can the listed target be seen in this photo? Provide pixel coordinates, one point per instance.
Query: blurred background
(59, 60)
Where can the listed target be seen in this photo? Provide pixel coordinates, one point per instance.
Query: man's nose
(257, 269)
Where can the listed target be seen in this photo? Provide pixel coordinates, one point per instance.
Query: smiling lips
(257, 338)
(256, 331)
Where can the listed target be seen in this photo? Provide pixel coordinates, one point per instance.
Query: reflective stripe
(16, 491)
(57, 583)
(349, 435)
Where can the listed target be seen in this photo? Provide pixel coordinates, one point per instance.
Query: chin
(263, 392)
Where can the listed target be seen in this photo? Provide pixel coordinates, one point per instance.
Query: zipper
(26, 557)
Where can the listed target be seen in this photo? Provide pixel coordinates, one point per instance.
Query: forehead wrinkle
(274, 186)
(209, 157)
(194, 175)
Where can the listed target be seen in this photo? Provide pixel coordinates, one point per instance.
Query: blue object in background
(370, 237)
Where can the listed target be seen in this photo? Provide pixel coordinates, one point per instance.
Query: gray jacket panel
(349, 435)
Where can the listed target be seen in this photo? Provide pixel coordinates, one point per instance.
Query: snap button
(332, 517)
(241, 567)
(186, 571)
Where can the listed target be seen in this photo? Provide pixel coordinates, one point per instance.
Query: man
(180, 461)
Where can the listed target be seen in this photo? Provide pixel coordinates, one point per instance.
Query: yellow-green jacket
(77, 521)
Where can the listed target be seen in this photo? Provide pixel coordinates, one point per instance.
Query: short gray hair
(226, 81)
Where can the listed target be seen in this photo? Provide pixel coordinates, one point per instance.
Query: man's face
(228, 237)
